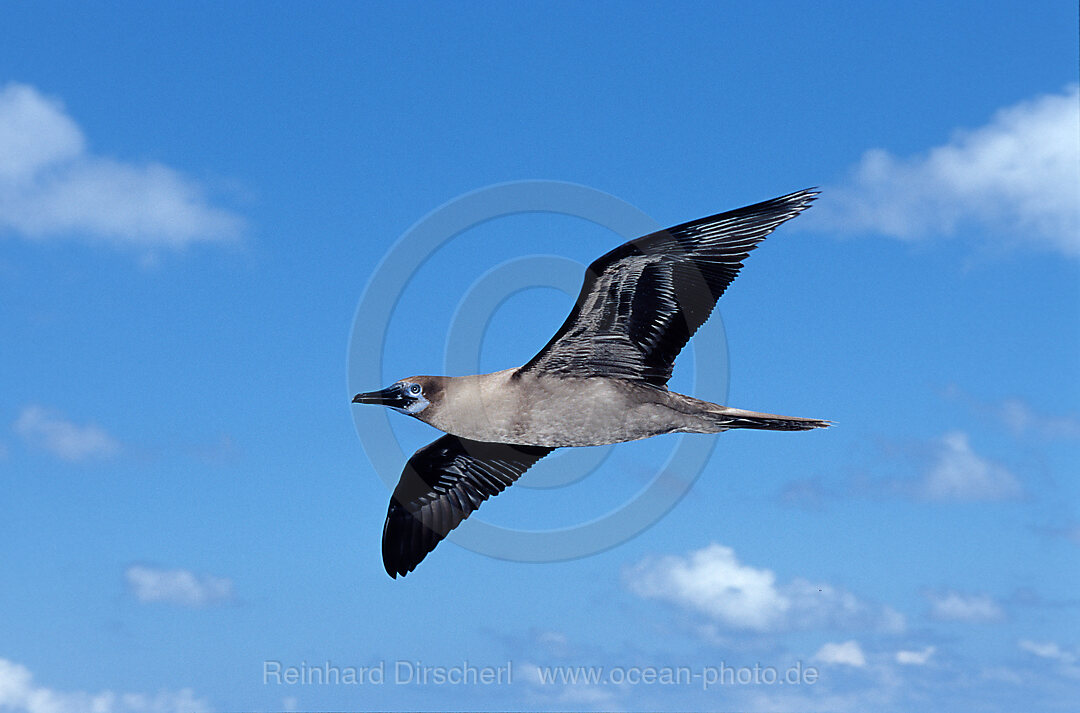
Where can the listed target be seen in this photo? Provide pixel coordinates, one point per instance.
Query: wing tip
(800, 200)
(398, 555)
(397, 565)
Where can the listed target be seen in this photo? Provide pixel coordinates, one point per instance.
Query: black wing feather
(641, 302)
(442, 484)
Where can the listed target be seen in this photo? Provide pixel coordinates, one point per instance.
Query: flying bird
(601, 379)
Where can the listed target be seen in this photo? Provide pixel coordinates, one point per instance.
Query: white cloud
(848, 653)
(34, 133)
(822, 605)
(1020, 417)
(560, 692)
(19, 694)
(177, 586)
(946, 469)
(712, 581)
(49, 430)
(555, 638)
(954, 606)
(1047, 650)
(915, 658)
(1065, 661)
(51, 185)
(1016, 178)
(715, 583)
(959, 473)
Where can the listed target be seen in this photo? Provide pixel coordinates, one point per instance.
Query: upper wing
(441, 485)
(643, 301)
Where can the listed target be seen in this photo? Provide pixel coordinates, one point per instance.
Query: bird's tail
(726, 418)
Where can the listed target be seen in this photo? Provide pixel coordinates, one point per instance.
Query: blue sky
(193, 199)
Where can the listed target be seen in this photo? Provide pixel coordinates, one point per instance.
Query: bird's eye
(414, 389)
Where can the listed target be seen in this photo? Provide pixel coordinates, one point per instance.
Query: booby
(601, 379)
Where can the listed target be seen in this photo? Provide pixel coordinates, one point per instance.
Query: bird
(601, 379)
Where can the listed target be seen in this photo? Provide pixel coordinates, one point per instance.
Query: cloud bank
(20, 694)
(52, 185)
(1015, 179)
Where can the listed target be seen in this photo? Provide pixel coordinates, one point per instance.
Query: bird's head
(410, 396)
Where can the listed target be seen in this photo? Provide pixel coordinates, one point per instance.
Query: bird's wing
(642, 301)
(441, 485)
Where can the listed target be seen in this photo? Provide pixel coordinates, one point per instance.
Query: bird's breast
(553, 411)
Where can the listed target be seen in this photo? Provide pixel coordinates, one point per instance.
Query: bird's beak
(393, 396)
